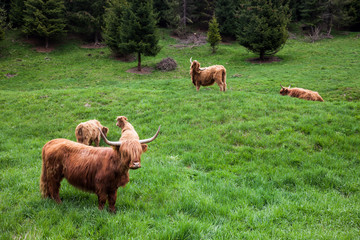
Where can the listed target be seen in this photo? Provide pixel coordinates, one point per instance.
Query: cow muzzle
(135, 165)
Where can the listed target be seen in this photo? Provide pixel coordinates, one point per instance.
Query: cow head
(284, 90)
(195, 67)
(121, 121)
(131, 150)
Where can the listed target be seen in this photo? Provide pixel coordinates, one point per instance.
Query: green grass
(244, 164)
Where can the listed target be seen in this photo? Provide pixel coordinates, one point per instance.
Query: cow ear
(144, 147)
(105, 130)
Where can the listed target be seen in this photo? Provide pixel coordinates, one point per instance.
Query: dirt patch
(43, 49)
(93, 45)
(39, 45)
(128, 58)
(190, 40)
(144, 70)
(10, 75)
(266, 60)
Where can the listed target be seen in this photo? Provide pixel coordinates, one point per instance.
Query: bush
(167, 64)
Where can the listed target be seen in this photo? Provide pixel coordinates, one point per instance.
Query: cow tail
(44, 188)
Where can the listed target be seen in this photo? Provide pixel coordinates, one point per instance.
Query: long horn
(107, 141)
(281, 86)
(191, 60)
(152, 138)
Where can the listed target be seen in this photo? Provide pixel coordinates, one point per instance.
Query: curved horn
(152, 138)
(107, 141)
(191, 60)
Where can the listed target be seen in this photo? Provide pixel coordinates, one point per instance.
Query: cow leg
(54, 188)
(96, 141)
(197, 87)
(112, 201)
(101, 200)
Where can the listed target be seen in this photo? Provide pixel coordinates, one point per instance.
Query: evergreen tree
(17, 8)
(263, 26)
(225, 12)
(113, 16)
(2, 22)
(311, 12)
(213, 35)
(353, 10)
(86, 16)
(138, 30)
(44, 18)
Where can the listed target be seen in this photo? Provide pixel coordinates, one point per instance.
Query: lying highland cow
(88, 132)
(101, 170)
(207, 76)
(301, 93)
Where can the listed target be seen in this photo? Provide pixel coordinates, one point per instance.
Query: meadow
(244, 164)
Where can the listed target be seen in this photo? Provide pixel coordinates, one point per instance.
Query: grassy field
(244, 164)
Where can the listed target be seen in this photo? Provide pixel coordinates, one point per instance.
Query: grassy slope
(247, 163)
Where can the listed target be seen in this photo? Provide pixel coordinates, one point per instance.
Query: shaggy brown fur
(301, 93)
(208, 76)
(130, 138)
(101, 170)
(88, 132)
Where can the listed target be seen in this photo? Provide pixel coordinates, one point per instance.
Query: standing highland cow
(88, 132)
(207, 76)
(101, 170)
(301, 93)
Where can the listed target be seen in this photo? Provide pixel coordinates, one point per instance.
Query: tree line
(129, 26)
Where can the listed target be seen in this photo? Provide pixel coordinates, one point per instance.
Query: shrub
(167, 64)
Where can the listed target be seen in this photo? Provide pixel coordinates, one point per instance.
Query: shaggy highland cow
(88, 132)
(301, 93)
(207, 76)
(101, 170)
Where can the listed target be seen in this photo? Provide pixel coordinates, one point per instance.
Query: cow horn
(107, 141)
(281, 86)
(119, 143)
(191, 60)
(152, 138)
(289, 86)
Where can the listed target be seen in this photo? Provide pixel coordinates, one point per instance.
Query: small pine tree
(213, 35)
(111, 32)
(263, 26)
(2, 22)
(44, 18)
(138, 30)
(225, 11)
(86, 17)
(16, 12)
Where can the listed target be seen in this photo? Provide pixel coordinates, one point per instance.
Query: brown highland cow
(88, 132)
(207, 76)
(101, 170)
(301, 93)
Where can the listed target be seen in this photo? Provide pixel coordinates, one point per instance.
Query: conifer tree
(2, 22)
(138, 30)
(16, 12)
(113, 16)
(225, 12)
(86, 16)
(213, 35)
(44, 18)
(263, 26)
